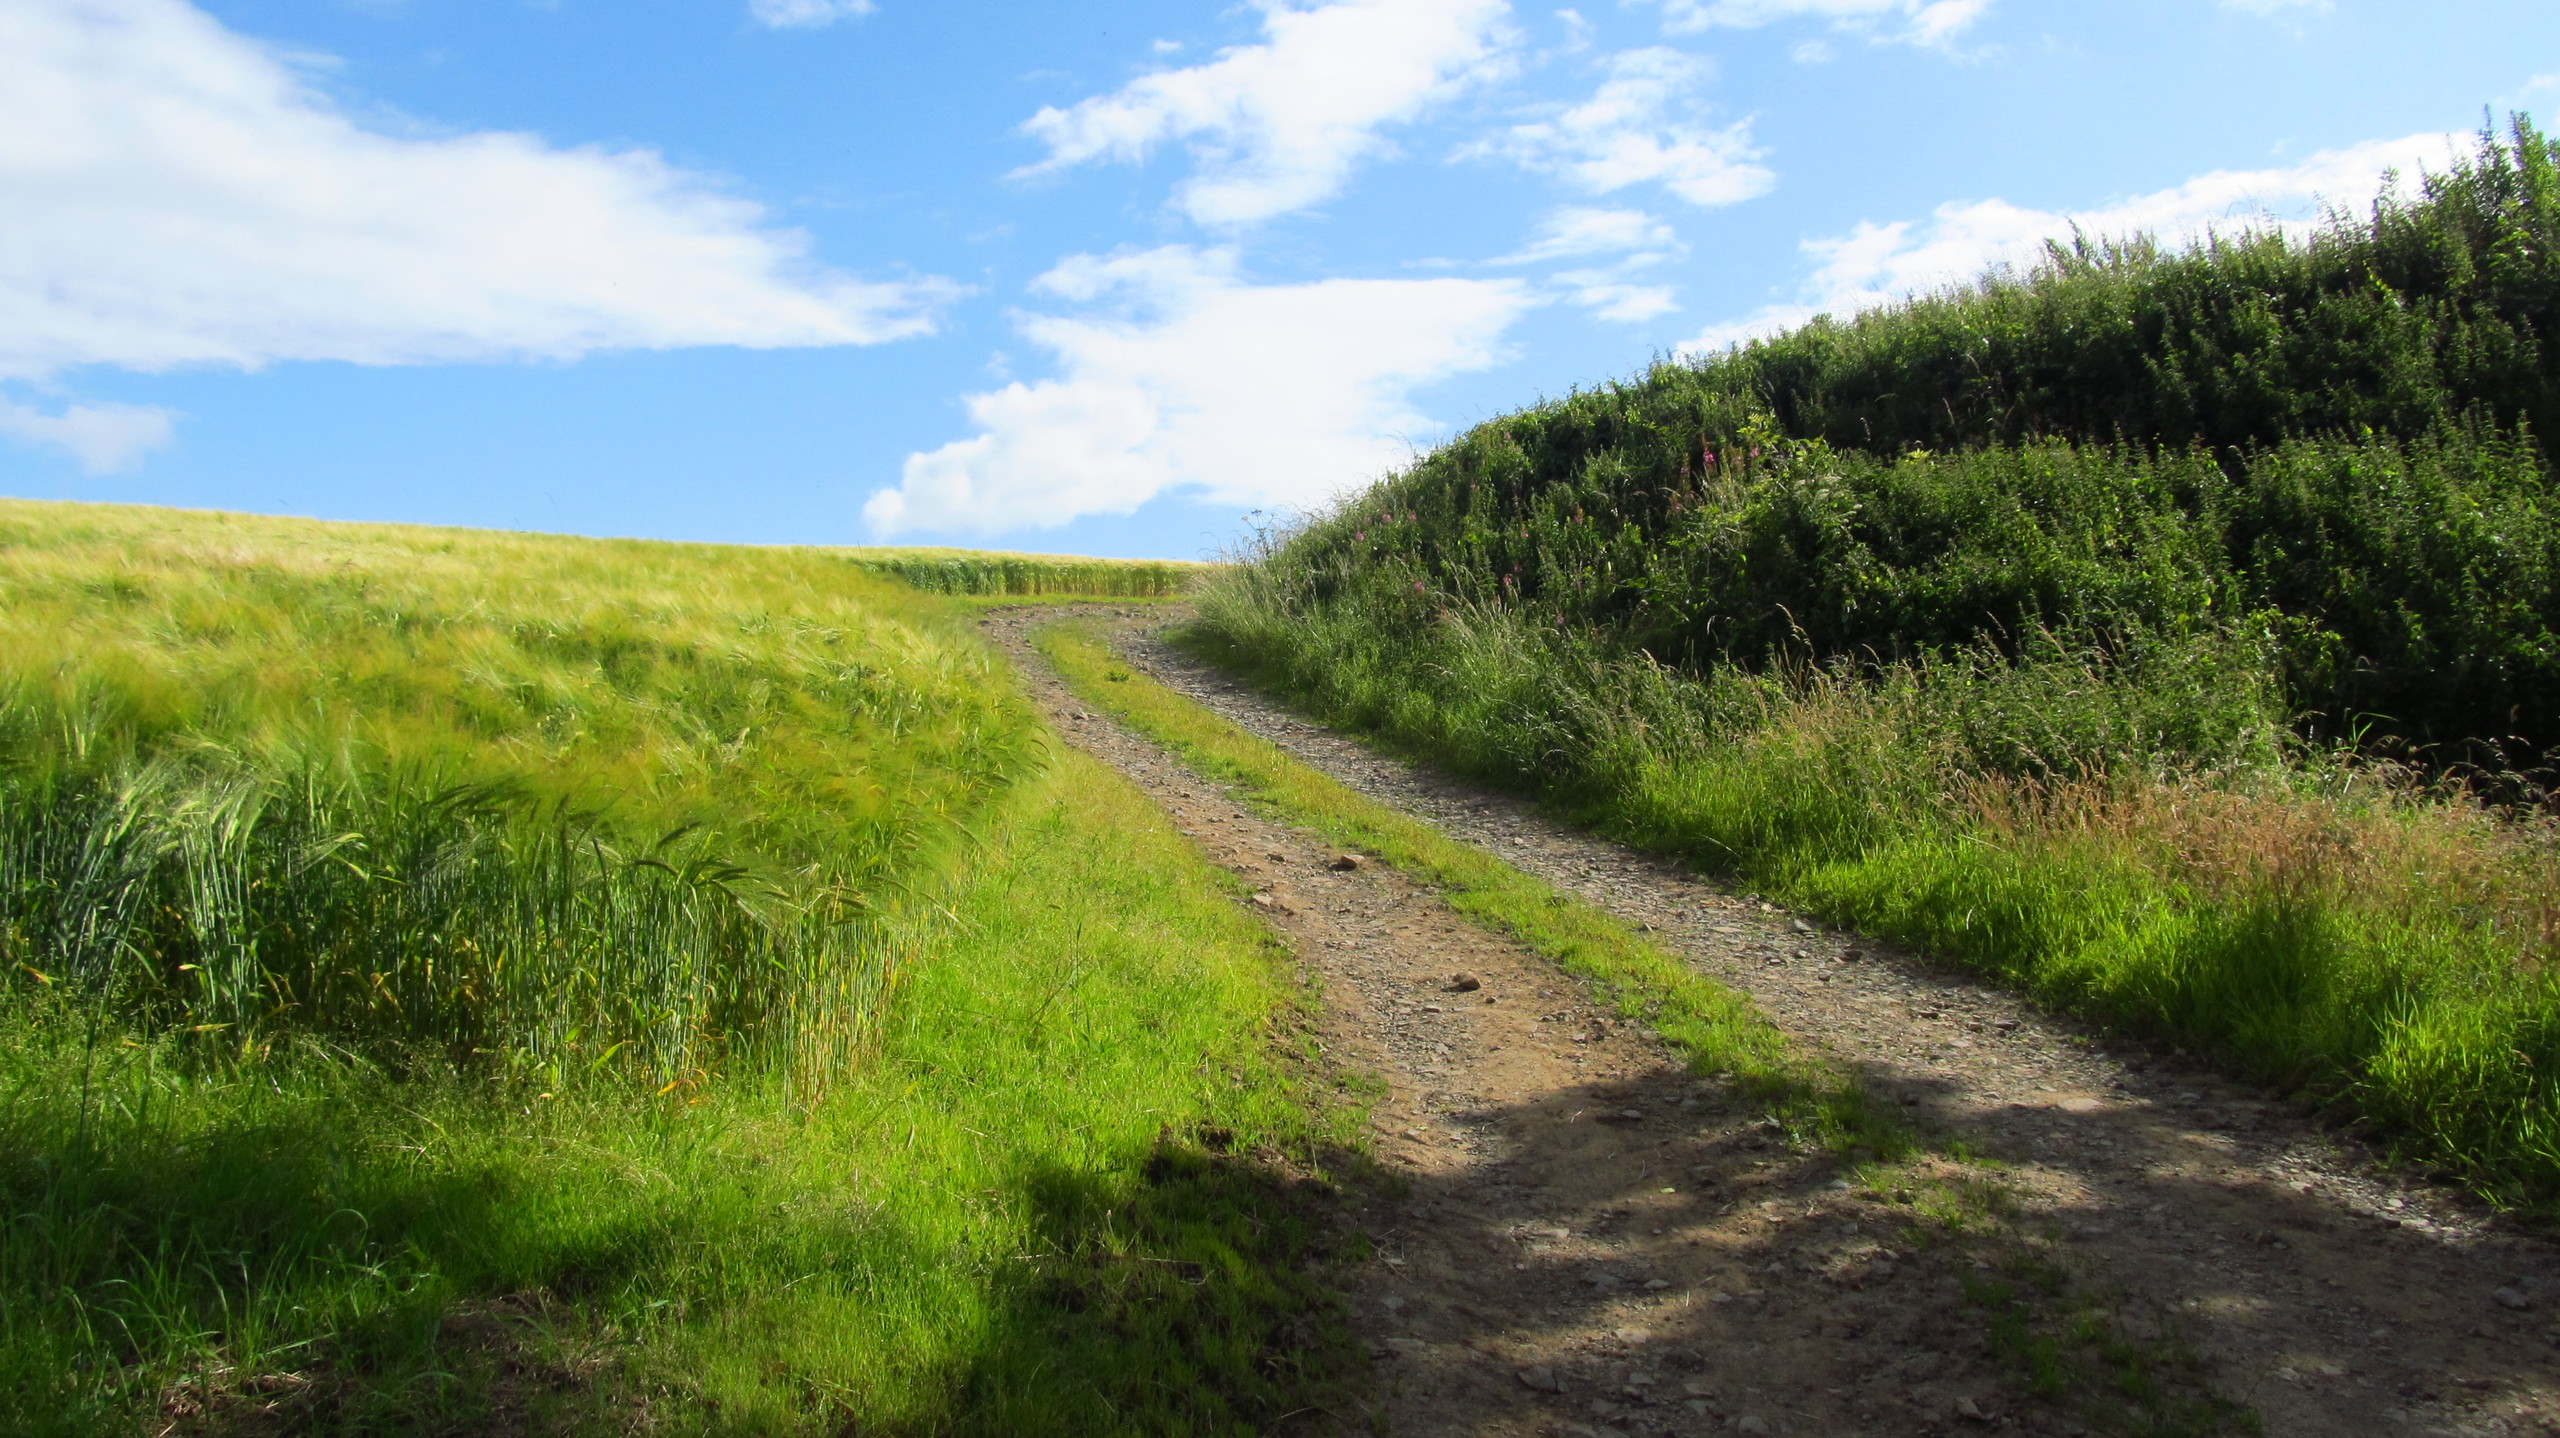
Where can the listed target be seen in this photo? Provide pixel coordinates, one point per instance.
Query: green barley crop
(552, 806)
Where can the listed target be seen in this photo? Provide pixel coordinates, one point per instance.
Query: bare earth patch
(1596, 1241)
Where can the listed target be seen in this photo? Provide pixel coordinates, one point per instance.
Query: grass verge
(1076, 1190)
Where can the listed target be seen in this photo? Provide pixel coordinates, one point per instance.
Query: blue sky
(1100, 279)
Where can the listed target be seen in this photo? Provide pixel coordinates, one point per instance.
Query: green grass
(465, 981)
(538, 802)
(1075, 1191)
(983, 572)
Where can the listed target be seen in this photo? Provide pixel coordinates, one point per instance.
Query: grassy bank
(468, 982)
(2149, 646)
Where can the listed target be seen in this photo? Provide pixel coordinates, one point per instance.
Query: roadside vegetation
(462, 981)
(2174, 634)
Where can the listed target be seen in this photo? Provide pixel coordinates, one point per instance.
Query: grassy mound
(2056, 624)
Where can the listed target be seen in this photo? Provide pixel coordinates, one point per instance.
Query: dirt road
(1597, 1242)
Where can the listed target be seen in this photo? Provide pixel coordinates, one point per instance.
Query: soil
(1595, 1241)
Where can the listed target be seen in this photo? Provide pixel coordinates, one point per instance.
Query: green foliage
(2330, 447)
(2023, 623)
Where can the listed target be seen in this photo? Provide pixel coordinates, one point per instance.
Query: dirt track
(1595, 1242)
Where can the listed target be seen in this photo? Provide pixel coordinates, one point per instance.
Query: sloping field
(2176, 635)
(465, 981)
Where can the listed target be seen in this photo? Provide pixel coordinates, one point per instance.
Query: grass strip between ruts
(1718, 1028)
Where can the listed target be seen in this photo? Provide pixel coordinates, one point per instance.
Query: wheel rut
(1594, 1241)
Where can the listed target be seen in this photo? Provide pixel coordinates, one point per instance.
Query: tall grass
(977, 572)
(1067, 1193)
(2129, 845)
(504, 801)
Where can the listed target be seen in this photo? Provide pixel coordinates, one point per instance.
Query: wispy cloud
(1877, 264)
(1638, 241)
(1574, 230)
(1935, 23)
(104, 438)
(178, 196)
(1177, 374)
(1638, 128)
(2279, 7)
(806, 14)
(1279, 126)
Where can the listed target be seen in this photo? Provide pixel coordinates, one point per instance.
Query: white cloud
(105, 438)
(1279, 126)
(1878, 264)
(1917, 22)
(177, 196)
(1639, 240)
(1632, 131)
(1609, 294)
(1179, 375)
(2279, 7)
(1576, 230)
(806, 14)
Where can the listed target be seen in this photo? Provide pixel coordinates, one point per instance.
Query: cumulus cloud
(1176, 374)
(1634, 130)
(1279, 126)
(105, 438)
(1917, 22)
(1877, 264)
(806, 14)
(176, 195)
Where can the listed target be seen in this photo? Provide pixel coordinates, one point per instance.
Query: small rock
(1541, 1379)
(1800, 926)
(1750, 1423)
(2512, 1298)
(1967, 1408)
(1344, 863)
(1277, 857)
(1464, 983)
(1657, 1284)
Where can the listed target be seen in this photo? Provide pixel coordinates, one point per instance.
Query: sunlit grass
(1069, 1193)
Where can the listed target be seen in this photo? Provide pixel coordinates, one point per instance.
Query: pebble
(1344, 863)
(1750, 1423)
(2512, 1298)
(1541, 1379)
